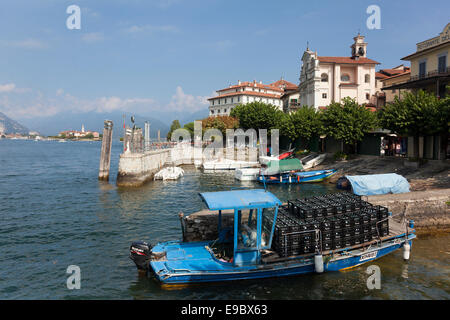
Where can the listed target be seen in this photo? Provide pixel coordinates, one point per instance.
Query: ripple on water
(56, 213)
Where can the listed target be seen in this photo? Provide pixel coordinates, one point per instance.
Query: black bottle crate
(359, 239)
(327, 235)
(365, 229)
(338, 244)
(365, 219)
(382, 213)
(312, 224)
(345, 221)
(384, 231)
(357, 231)
(348, 241)
(366, 237)
(327, 245)
(326, 225)
(347, 232)
(337, 234)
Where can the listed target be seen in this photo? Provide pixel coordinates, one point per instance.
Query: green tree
(258, 115)
(416, 114)
(174, 126)
(304, 123)
(348, 121)
(190, 127)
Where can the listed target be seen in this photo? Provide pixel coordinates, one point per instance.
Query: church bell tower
(359, 47)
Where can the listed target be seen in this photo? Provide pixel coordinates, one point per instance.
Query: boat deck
(396, 229)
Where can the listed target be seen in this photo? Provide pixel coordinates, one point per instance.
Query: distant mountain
(93, 121)
(8, 125)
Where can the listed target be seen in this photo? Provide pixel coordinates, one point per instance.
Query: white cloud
(27, 44)
(9, 87)
(93, 37)
(186, 102)
(36, 104)
(151, 29)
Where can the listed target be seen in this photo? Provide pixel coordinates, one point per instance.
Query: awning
(240, 199)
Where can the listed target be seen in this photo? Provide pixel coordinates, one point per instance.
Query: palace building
(324, 80)
(246, 92)
(429, 66)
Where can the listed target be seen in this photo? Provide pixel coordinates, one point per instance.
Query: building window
(324, 77)
(239, 99)
(225, 100)
(442, 64)
(232, 99)
(213, 102)
(367, 78)
(345, 78)
(367, 96)
(212, 111)
(224, 110)
(422, 69)
(324, 95)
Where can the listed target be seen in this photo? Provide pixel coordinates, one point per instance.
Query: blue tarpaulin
(378, 184)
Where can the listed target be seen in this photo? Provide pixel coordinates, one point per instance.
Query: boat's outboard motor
(140, 253)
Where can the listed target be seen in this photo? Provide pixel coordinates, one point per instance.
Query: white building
(246, 92)
(324, 80)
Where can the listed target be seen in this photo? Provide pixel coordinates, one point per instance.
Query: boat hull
(286, 268)
(299, 177)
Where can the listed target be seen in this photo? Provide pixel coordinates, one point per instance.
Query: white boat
(247, 174)
(312, 160)
(170, 173)
(227, 164)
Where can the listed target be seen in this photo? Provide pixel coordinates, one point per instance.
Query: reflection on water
(56, 213)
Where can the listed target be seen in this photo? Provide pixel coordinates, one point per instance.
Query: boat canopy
(240, 199)
(378, 184)
(275, 167)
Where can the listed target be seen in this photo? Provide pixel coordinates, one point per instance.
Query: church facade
(325, 79)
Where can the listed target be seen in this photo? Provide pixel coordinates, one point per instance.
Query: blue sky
(155, 57)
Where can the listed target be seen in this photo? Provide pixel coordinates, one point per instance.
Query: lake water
(55, 213)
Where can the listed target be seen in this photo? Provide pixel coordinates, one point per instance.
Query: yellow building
(429, 65)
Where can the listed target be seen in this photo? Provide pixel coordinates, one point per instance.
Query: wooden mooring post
(105, 156)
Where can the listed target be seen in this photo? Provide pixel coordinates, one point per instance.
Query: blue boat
(245, 250)
(298, 177)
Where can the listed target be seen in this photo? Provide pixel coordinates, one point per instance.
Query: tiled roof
(347, 60)
(247, 93)
(284, 84)
(397, 75)
(253, 85)
(379, 75)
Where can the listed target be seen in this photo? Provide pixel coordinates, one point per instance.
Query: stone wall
(135, 169)
(429, 209)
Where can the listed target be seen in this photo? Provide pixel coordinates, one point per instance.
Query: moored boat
(249, 250)
(247, 174)
(227, 164)
(312, 160)
(298, 177)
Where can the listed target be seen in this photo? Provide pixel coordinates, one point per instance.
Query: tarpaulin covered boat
(367, 185)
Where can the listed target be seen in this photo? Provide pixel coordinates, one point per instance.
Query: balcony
(431, 74)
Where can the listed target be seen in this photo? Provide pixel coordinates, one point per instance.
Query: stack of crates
(344, 220)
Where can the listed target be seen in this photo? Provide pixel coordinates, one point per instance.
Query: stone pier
(135, 169)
